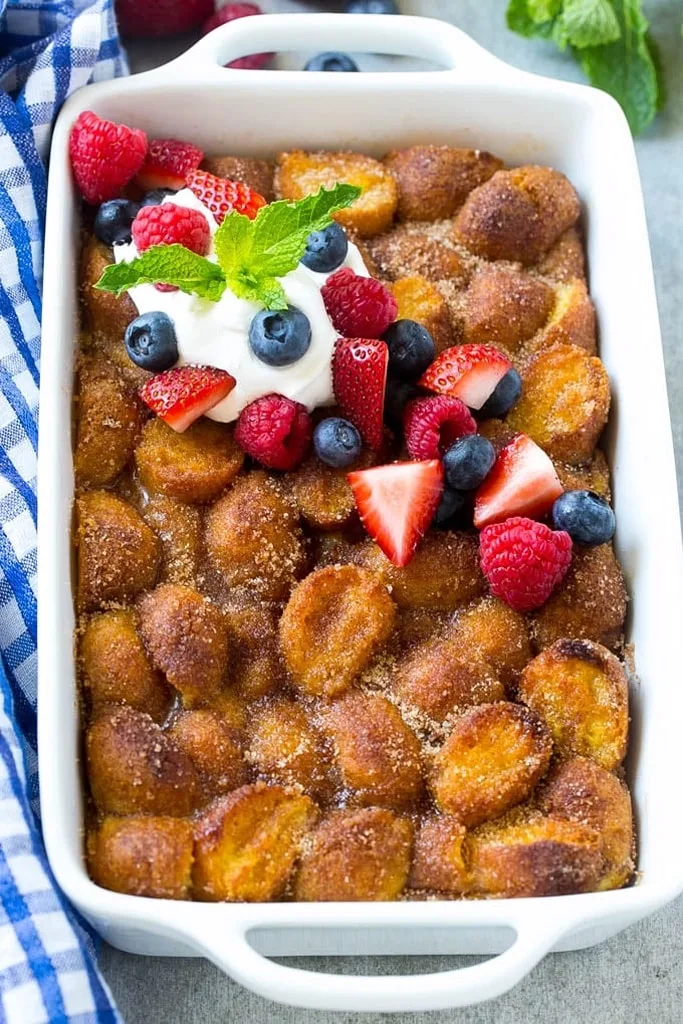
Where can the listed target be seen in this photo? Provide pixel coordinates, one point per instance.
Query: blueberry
(398, 393)
(372, 7)
(451, 505)
(411, 349)
(337, 442)
(326, 250)
(280, 337)
(505, 394)
(587, 518)
(113, 221)
(156, 196)
(151, 341)
(468, 462)
(331, 60)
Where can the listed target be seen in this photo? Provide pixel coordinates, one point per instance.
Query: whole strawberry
(275, 430)
(359, 307)
(169, 224)
(524, 561)
(221, 195)
(230, 12)
(104, 156)
(145, 18)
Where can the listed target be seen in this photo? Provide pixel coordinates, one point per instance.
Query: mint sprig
(252, 254)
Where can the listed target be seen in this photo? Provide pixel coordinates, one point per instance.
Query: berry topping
(326, 250)
(359, 376)
(331, 60)
(181, 395)
(104, 156)
(275, 430)
(432, 424)
(167, 164)
(524, 561)
(160, 17)
(411, 349)
(229, 12)
(398, 394)
(523, 482)
(280, 337)
(337, 443)
(371, 7)
(585, 516)
(221, 196)
(156, 196)
(468, 462)
(113, 221)
(359, 307)
(451, 505)
(168, 224)
(151, 341)
(469, 372)
(397, 503)
(506, 393)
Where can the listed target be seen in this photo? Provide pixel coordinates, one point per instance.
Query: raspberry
(524, 561)
(359, 307)
(221, 196)
(275, 430)
(230, 12)
(167, 224)
(431, 425)
(104, 156)
(147, 18)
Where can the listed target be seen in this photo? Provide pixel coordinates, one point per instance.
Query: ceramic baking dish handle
(425, 38)
(536, 934)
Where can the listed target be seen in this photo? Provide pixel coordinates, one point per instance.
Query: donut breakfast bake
(350, 620)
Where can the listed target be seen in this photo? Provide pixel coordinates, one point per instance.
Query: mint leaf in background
(519, 18)
(166, 264)
(626, 68)
(541, 11)
(589, 23)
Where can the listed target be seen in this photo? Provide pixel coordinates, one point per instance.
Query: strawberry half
(359, 378)
(167, 164)
(221, 195)
(397, 503)
(523, 482)
(468, 372)
(181, 395)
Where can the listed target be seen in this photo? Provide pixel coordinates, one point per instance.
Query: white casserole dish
(478, 101)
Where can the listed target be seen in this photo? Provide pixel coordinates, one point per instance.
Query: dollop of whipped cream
(216, 333)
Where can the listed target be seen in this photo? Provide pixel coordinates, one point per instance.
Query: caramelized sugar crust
(275, 711)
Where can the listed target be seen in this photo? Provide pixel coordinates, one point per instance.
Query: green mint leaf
(541, 11)
(626, 68)
(233, 242)
(589, 23)
(166, 264)
(521, 20)
(265, 290)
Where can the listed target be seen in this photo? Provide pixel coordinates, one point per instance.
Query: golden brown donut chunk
(433, 181)
(590, 603)
(587, 476)
(491, 632)
(433, 680)
(256, 665)
(109, 418)
(564, 404)
(231, 708)
(420, 300)
(177, 526)
(143, 856)
(247, 843)
(526, 854)
(505, 306)
(493, 758)
(439, 856)
(285, 746)
(105, 314)
(322, 494)
(194, 466)
(580, 691)
(407, 251)
(580, 790)
(116, 669)
(332, 625)
(253, 537)
(118, 554)
(355, 855)
(517, 214)
(257, 174)
(565, 259)
(135, 768)
(378, 756)
(572, 320)
(300, 174)
(214, 749)
(186, 638)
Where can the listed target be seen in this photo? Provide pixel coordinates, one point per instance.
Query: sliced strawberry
(359, 378)
(523, 482)
(468, 372)
(167, 164)
(182, 394)
(221, 195)
(397, 503)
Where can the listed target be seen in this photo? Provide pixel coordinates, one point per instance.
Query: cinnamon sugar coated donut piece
(109, 417)
(105, 314)
(415, 249)
(194, 466)
(177, 526)
(257, 174)
(286, 747)
(142, 856)
(505, 306)
(213, 747)
(256, 666)
(439, 856)
(433, 181)
(420, 300)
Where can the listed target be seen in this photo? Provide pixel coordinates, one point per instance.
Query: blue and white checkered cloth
(48, 48)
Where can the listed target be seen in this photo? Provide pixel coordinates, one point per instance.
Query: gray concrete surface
(638, 976)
